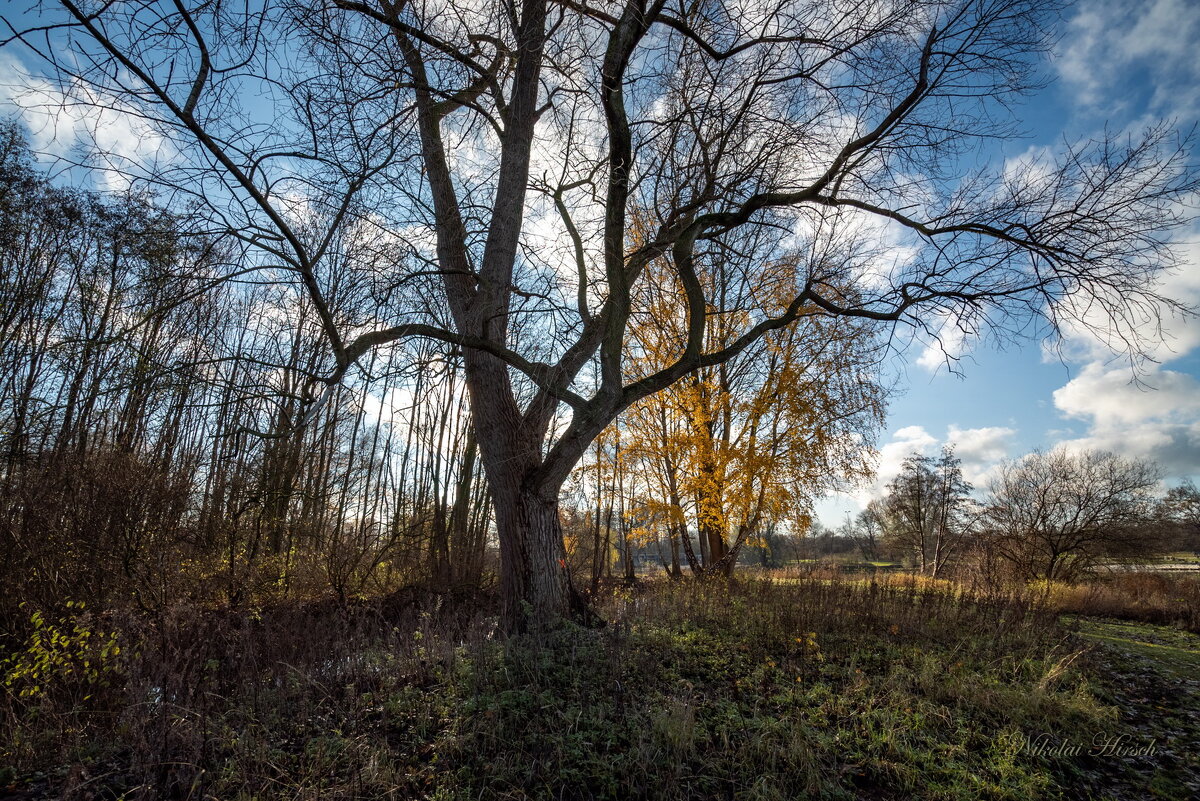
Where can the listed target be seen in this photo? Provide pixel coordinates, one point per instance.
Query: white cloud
(905, 441)
(1157, 417)
(62, 121)
(1114, 53)
(1108, 398)
(390, 407)
(981, 450)
(1160, 421)
(1110, 42)
(875, 249)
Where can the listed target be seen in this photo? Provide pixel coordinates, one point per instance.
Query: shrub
(1146, 596)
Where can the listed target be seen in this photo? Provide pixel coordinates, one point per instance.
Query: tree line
(148, 446)
(1056, 515)
(151, 452)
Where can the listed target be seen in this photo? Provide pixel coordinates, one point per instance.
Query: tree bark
(533, 578)
(460, 514)
(674, 534)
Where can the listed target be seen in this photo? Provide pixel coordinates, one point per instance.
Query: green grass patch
(814, 689)
(1169, 649)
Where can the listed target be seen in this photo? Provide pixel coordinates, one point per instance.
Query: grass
(810, 689)
(1171, 650)
(707, 697)
(1139, 596)
(1151, 675)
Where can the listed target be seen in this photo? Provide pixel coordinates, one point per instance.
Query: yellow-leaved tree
(747, 445)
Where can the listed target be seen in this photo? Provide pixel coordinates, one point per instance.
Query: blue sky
(1118, 65)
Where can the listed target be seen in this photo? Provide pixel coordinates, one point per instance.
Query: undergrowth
(810, 689)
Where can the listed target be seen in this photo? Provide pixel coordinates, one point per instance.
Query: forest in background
(151, 452)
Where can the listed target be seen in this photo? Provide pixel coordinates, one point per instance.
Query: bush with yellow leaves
(69, 654)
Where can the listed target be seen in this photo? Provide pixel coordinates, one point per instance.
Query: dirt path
(1151, 676)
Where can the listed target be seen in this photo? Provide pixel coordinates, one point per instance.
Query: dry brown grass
(1146, 596)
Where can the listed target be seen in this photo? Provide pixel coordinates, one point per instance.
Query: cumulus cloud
(1160, 421)
(1111, 47)
(905, 441)
(1106, 397)
(1110, 42)
(1111, 52)
(981, 450)
(61, 121)
(389, 407)
(874, 249)
(1158, 416)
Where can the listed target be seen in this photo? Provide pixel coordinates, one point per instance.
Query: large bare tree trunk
(714, 537)
(533, 578)
(534, 587)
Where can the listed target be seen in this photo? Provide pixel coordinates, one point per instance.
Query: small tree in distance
(867, 529)
(1179, 512)
(928, 509)
(1056, 514)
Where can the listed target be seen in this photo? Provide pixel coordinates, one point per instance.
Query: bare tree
(507, 141)
(1179, 513)
(928, 509)
(1057, 514)
(867, 529)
